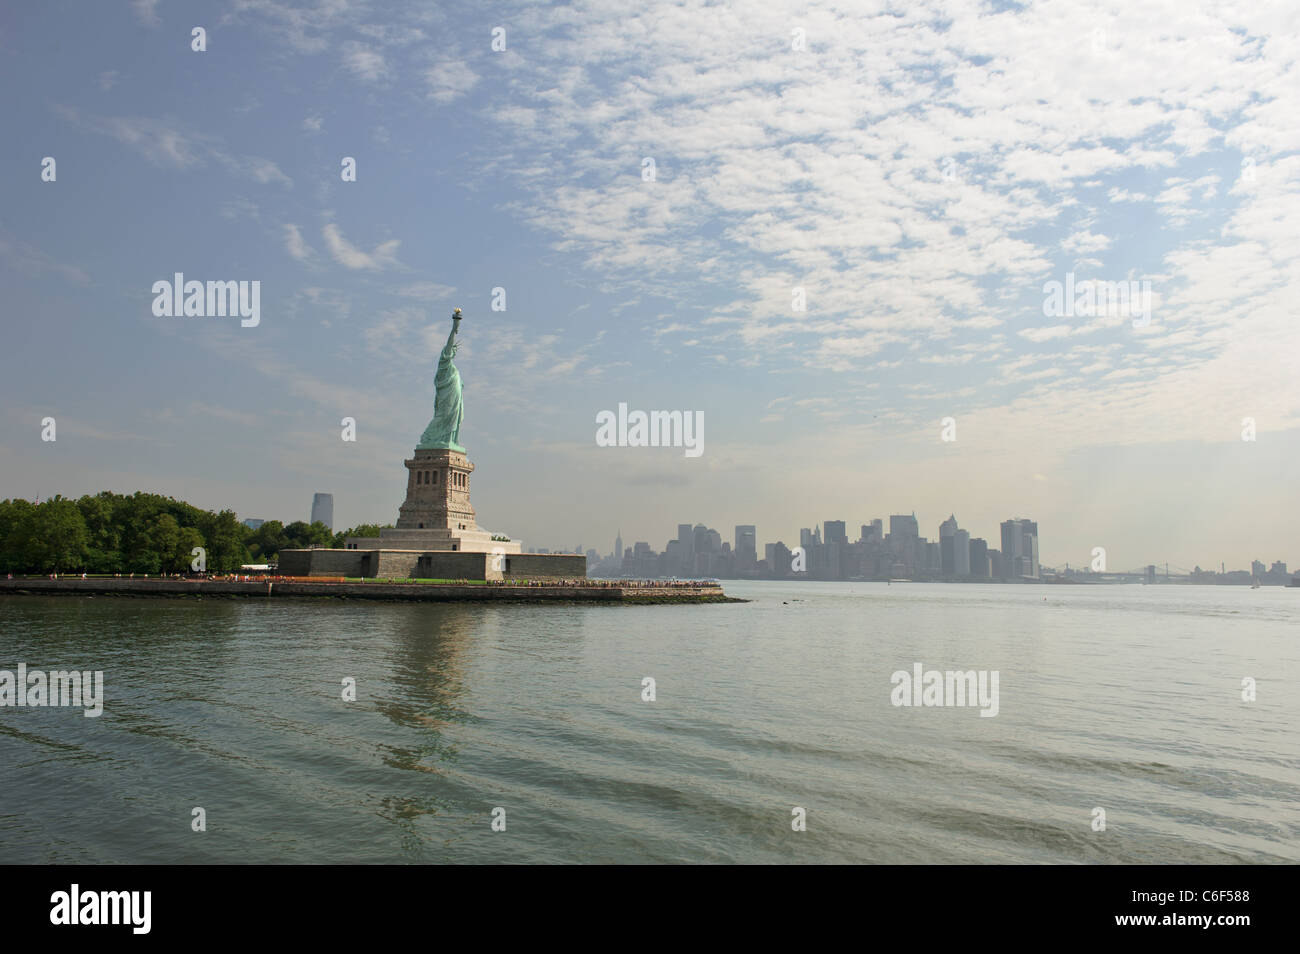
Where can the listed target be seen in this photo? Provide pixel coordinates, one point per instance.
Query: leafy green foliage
(109, 533)
(360, 530)
(117, 533)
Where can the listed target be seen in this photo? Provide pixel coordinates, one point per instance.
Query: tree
(183, 558)
(140, 533)
(225, 541)
(137, 516)
(52, 537)
(12, 515)
(104, 534)
(267, 540)
(164, 540)
(301, 534)
(360, 530)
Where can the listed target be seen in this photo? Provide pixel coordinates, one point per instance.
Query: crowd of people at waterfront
(622, 584)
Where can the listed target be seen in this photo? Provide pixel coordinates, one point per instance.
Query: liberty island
(436, 551)
(437, 535)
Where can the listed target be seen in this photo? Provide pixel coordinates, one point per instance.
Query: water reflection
(428, 643)
(429, 647)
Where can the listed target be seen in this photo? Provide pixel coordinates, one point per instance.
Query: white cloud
(448, 80)
(825, 171)
(365, 62)
(1085, 242)
(348, 255)
(25, 259)
(167, 144)
(428, 290)
(146, 11)
(295, 245)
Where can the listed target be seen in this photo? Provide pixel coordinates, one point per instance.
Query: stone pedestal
(437, 492)
(437, 514)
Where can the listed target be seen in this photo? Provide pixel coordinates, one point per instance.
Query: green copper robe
(448, 404)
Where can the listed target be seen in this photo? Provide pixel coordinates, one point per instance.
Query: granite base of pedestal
(432, 564)
(436, 538)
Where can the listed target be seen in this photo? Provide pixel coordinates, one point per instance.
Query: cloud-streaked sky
(920, 170)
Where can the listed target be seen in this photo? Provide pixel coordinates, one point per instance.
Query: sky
(653, 188)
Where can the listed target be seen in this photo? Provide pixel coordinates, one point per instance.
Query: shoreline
(402, 592)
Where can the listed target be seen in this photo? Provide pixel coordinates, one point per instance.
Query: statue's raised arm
(455, 330)
(448, 404)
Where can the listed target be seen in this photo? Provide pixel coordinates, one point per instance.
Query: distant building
(835, 532)
(903, 525)
(252, 523)
(930, 554)
(979, 558)
(1020, 549)
(961, 553)
(699, 539)
(322, 509)
(685, 548)
(746, 548)
(948, 546)
(780, 559)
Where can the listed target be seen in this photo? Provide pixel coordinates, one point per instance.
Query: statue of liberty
(448, 405)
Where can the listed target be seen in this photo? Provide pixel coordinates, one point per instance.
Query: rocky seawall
(424, 592)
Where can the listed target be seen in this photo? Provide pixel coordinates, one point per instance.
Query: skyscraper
(904, 525)
(961, 553)
(948, 546)
(835, 532)
(618, 546)
(746, 544)
(1020, 549)
(995, 565)
(322, 509)
(684, 553)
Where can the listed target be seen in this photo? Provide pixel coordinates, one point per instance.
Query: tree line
(144, 533)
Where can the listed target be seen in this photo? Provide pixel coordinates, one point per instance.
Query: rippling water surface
(1121, 697)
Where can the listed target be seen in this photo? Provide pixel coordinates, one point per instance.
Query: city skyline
(1018, 537)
